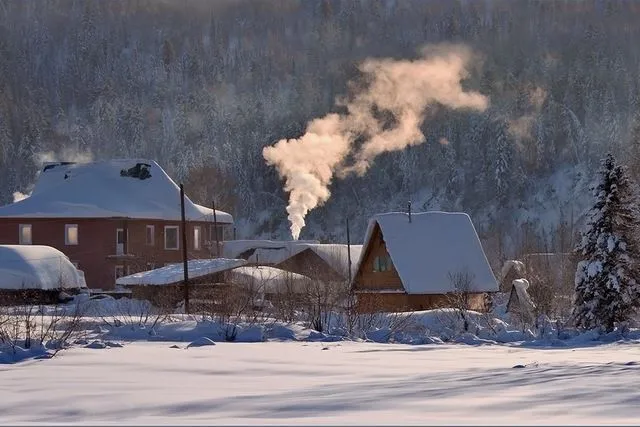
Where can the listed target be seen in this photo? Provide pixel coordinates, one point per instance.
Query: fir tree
(606, 289)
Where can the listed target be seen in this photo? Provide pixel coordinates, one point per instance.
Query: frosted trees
(606, 289)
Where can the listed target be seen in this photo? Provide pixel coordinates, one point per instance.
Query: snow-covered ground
(326, 383)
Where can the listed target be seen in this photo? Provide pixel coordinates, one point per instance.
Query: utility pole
(185, 263)
(349, 252)
(215, 228)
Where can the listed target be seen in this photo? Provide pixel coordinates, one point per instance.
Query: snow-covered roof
(262, 251)
(174, 273)
(99, 190)
(333, 254)
(37, 267)
(432, 246)
(267, 279)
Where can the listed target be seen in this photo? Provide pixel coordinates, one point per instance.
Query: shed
(164, 286)
(36, 273)
(326, 262)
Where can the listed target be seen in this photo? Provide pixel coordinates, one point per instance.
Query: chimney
(409, 210)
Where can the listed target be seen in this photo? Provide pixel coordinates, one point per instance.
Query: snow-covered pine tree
(606, 287)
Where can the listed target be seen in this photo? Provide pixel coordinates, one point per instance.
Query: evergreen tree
(606, 289)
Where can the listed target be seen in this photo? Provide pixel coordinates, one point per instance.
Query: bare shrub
(460, 298)
(151, 306)
(238, 302)
(323, 301)
(35, 325)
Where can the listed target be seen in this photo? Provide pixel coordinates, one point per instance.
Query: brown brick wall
(97, 244)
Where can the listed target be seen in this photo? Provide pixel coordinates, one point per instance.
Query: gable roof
(262, 251)
(98, 190)
(174, 273)
(262, 278)
(274, 252)
(37, 267)
(334, 254)
(430, 247)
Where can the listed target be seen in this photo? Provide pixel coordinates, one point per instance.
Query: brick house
(111, 218)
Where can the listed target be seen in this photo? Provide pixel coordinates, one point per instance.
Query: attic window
(382, 263)
(140, 171)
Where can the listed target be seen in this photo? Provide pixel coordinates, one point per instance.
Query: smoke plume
(400, 90)
(65, 155)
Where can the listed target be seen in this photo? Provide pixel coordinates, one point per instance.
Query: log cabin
(421, 261)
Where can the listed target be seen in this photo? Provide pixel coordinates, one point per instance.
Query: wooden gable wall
(368, 279)
(310, 264)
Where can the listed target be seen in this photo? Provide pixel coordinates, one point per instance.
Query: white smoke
(401, 89)
(65, 155)
(17, 196)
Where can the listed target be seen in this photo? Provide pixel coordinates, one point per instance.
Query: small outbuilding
(421, 261)
(324, 262)
(164, 287)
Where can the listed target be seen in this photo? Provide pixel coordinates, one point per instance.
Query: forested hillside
(202, 86)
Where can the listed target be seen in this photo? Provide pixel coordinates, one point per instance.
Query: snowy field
(326, 383)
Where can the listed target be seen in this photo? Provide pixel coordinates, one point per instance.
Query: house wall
(96, 253)
(366, 278)
(372, 302)
(310, 264)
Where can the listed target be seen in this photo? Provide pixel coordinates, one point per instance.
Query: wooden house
(262, 252)
(111, 218)
(323, 262)
(318, 261)
(421, 261)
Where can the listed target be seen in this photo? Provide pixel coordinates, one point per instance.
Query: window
(119, 272)
(120, 241)
(197, 237)
(216, 229)
(151, 235)
(171, 237)
(71, 234)
(382, 263)
(25, 234)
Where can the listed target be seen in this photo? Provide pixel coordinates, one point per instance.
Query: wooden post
(349, 252)
(125, 247)
(185, 263)
(215, 228)
(409, 209)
